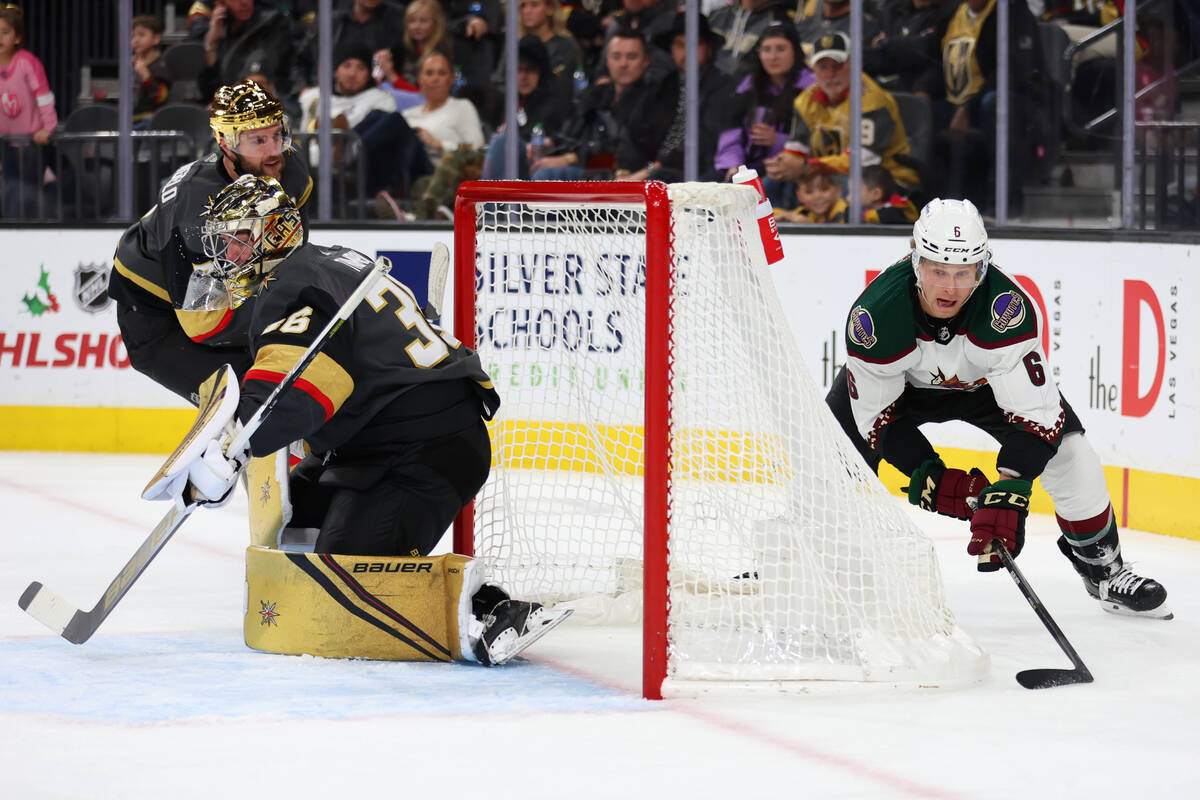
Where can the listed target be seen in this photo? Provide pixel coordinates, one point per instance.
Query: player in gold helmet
(250, 129)
(174, 343)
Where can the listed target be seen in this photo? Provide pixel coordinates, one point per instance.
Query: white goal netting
(787, 559)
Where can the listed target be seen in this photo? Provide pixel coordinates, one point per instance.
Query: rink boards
(1121, 335)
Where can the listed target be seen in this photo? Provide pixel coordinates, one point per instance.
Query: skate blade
(511, 650)
(1162, 612)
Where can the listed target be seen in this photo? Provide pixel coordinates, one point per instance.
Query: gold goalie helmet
(249, 227)
(245, 106)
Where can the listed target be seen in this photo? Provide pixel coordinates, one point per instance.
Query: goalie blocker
(390, 608)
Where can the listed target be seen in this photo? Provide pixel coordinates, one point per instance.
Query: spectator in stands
(443, 123)
(911, 44)
(834, 17)
(239, 38)
(822, 121)
(617, 125)
(26, 109)
(588, 31)
(820, 194)
(762, 116)
(394, 155)
(966, 118)
(150, 72)
(474, 25)
(538, 104)
(882, 202)
(543, 19)
(424, 32)
(714, 91)
(377, 25)
(650, 18)
(741, 24)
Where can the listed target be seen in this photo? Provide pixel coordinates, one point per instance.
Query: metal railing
(75, 178)
(1168, 157)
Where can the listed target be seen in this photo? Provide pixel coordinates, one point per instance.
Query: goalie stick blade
(1049, 678)
(439, 269)
(55, 613)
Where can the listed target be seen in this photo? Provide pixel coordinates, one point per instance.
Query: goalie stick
(1047, 677)
(439, 268)
(76, 625)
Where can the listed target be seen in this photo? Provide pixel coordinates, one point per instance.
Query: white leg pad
(1074, 479)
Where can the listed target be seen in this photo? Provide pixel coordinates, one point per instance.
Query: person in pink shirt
(26, 108)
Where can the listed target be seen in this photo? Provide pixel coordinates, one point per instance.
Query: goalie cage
(662, 450)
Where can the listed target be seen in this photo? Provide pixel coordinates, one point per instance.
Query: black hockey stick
(1043, 678)
(76, 625)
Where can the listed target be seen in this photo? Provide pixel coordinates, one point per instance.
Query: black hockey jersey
(388, 373)
(156, 255)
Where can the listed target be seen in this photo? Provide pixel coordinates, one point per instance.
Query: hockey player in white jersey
(944, 335)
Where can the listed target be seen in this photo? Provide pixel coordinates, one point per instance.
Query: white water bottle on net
(662, 452)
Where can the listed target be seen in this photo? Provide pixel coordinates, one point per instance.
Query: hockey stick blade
(439, 269)
(1048, 677)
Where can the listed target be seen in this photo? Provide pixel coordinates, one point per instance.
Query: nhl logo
(91, 287)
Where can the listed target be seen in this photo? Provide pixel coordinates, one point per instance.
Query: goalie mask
(246, 106)
(249, 228)
(951, 232)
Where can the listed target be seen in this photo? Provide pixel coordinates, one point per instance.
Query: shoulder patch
(861, 328)
(1008, 310)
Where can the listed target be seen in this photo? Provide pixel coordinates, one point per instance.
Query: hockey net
(662, 448)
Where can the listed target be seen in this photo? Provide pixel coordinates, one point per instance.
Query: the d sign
(1133, 404)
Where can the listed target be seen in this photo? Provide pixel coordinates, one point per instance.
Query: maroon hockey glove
(933, 487)
(1003, 507)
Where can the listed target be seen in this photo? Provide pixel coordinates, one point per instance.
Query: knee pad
(1074, 479)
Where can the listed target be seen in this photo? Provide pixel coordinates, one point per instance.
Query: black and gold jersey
(960, 53)
(385, 355)
(156, 255)
(825, 128)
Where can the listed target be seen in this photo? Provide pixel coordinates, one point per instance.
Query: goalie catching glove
(934, 487)
(212, 476)
(1001, 514)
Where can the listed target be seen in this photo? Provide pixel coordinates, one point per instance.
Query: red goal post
(653, 195)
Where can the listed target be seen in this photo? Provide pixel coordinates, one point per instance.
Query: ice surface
(166, 701)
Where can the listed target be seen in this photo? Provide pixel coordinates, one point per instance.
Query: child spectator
(882, 202)
(820, 194)
(151, 75)
(26, 109)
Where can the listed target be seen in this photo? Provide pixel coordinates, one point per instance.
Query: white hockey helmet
(951, 232)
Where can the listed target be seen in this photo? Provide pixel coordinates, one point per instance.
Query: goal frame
(659, 290)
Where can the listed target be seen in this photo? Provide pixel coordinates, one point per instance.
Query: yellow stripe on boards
(100, 430)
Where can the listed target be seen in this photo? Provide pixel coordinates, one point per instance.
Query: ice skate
(1122, 591)
(512, 626)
